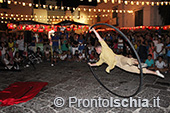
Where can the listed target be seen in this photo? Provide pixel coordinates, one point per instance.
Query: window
(139, 18)
(3, 3)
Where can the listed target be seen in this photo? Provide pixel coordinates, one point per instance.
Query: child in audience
(47, 54)
(93, 57)
(6, 61)
(63, 56)
(150, 62)
(17, 61)
(76, 55)
(160, 65)
(39, 55)
(69, 56)
(54, 58)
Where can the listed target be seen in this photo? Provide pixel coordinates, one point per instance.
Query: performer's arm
(100, 62)
(97, 35)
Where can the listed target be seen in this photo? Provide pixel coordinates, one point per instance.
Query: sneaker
(159, 74)
(52, 65)
(143, 65)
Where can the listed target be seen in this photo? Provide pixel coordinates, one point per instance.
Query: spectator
(20, 43)
(17, 61)
(54, 58)
(168, 55)
(160, 65)
(159, 48)
(39, 55)
(152, 50)
(64, 46)
(75, 44)
(76, 55)
(63, 56)
(47, 54)
(69, 56)
(150, 62)
(55, 40)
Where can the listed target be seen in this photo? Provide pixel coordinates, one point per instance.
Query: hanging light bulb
(147, 3)
(23, 3)
(143, 3)
(90, 0)
(36, 5)
(9, 2)
(68, 8)
(50, 7)
(152, 3)
(162, 3)
(113, 1)
(99, 10)
(166, 3)
(104, 10)
(105, 1)
(126, 2)
(108, 11)
(55, 7)
(137, 3)
(119, 1)
(15, 2)
(44, 6)
(157, 3)
(98, 1)
(94, 10)
(132, 3)
(30, 4)
(89, 10)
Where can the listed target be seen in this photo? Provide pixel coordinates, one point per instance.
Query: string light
(23, 3)
(113, 1)
(30, 4)
(9, 2)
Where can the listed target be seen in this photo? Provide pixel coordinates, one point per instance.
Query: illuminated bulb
(108, 11)
(21, 15)
(16, 15)
(124, 11)
(2, 17)
(89, 10)
(105, 1)
(113, 1)
(94, 10)
(119, 1)
(143, 3)
(30, 4)
(26, 16)
(166, 3)
(157, 3)
(120, 11)
(103, 15)
(6, 14)
(112, 11)
(15, 2)
(147, 3)
(126, 2)
(68, 8)
(29, 18)
(62, 8)
(12, 15)
(98, 1)
(55, 7)
(84, 9)
(53, 16)
(104, 10)
(90, 0)
(162, 3)
(22, 19)
(40, 16)
(1, 14)
(9, 2)
(44, 6)
(18, 18)
(35, 16)
(23, 3)
(116, 11)
(78, 9)
(132, 3)
(19, 2)
(50, 7)
(152, 3)
(96, 16)
(137, 3)
(61, 16)
(58, 17)
(99, 10)
(74, 9)
(36, 5)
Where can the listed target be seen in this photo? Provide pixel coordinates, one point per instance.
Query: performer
(109, 57)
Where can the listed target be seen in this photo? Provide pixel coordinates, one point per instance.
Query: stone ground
(75, 79)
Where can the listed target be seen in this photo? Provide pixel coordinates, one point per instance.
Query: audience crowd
(153, 48)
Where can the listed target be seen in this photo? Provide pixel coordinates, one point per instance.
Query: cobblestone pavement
(70, 79)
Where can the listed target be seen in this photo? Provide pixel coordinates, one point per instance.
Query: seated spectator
(76, 55)
(69, 56)
(17, 61)
(92, 57)
(47, 54)
(63, 56)
(10, 55)
(3, 50)
(150, 62)
(11, 44)
(54, 58)
(6, 61)
(39, 55)
(160, 65)
(81, 57)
